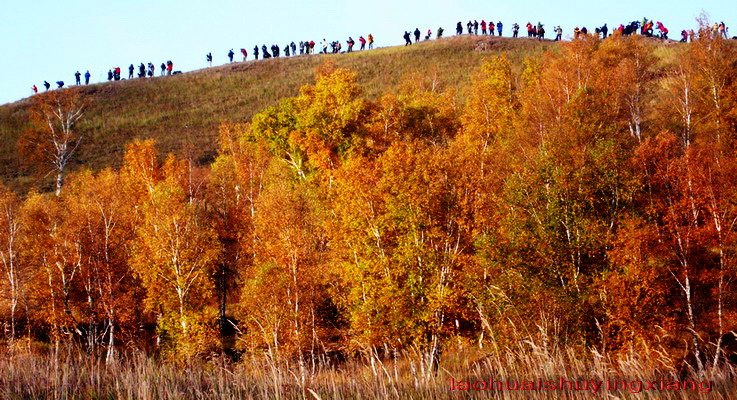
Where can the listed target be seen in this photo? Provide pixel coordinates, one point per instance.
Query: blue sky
(51, 39)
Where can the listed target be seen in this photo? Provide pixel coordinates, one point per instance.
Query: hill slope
(182, 112)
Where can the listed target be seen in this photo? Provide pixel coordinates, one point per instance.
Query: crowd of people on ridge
(645, 27)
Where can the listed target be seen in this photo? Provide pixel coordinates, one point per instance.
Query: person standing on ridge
(48, 85)
(469, 26)
(558, 33)
(245, 54)
(117, 73)
(87, 77)
(371, 41)
(529, 29)
(407, 40)
(429, 33)
(141, 71)
(475, 27)
(350, 43)
(294, 48)
(109, 75)
(459, 28)
(286, 50)
(60, 84)
(440, 32)
(230, 55)
(255, 52)
(77, 76)
(362, 40)
(163, 69)
(515, 30)
(151, 70)
(417, 35)
(604, 31)
(208, 58)
(483, 27)
(130, 71)
(499, 27)
(34, 89)
(169, 67)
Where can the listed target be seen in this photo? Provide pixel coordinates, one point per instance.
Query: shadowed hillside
(183, 111)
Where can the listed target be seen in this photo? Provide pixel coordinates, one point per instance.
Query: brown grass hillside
(183, 112)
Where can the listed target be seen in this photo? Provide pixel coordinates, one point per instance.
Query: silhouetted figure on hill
(60, 84)
(294, 48)
(141, 71)
(255, 52)
(475, 27)
(483, 26)
(131, 68)
(459, 28)
(208, 58)
(163, 69)
(169, 67)
(362, 40)
(87, 77)
(440, 32)
(371, 41)
(48, 85)
(34, 89)
(77, 77)
(151, 69)
(110, 75)
(230, 55)
(469, 26)
(417, 35)
(604, 31)
(286, 50)
(515, 30)
(116, 73)
(265, 52)
(407, 40)
(245, 54)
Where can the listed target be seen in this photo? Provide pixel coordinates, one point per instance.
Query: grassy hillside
(183, 112)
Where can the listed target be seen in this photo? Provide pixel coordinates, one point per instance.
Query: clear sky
(51, 39)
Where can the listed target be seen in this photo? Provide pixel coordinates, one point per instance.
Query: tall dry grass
(407, 376)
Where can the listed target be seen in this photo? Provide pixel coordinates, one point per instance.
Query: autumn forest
(588, 196)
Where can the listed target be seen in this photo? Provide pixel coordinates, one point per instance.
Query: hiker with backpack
(350, 44)
(60, 84)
